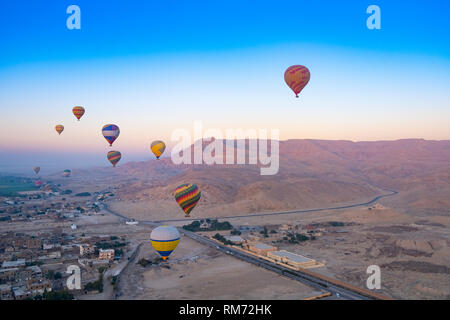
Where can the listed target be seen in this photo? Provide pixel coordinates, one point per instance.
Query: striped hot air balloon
(187, 196)
(59, 128)
(114, 157)
(67, 173)
(110, 132)
(297, 77)
(36, 169)
(164, 240)
(78, 111)
(158, 148)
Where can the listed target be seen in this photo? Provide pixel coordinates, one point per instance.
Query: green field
(10, 186)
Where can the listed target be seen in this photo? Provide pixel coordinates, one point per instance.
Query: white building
(292, 259)
(235, 239)
(13, 264)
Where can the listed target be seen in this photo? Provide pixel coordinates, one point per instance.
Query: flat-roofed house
(39, 286)
(21, 293)
(13, 264)
(107, 254)
(8, 274)
(86, 249)
(235, 239)
(292, 259)
(6, 292)
(260, 248)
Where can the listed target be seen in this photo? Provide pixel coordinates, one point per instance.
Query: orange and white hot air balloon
(59, 128)
(78, 112)
(297, 77)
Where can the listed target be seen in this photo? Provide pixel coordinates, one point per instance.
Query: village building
(292, 259)
(86, 249)
(107, 254)
(259, 248)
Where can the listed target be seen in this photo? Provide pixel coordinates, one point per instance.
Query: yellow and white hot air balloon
(158, 148)
(164, 240)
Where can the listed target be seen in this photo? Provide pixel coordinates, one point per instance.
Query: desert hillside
(312, 173)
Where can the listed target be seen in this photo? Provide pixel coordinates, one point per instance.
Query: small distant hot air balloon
(59, 128)
(164, 240)
(114, 157)
(38, 183)
(158, 148)
(78, 112)
(37, 169)
(297, 77)
(110, 132)
(67, 173)
(187, 196)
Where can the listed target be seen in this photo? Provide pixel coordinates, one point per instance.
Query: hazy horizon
(23, 162)
(162, 67)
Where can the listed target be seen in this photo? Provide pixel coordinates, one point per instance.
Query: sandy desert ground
(407, 235)
(198, 272)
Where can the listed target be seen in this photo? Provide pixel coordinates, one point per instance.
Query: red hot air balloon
(297, 77)
(78, 112)
(59, 128)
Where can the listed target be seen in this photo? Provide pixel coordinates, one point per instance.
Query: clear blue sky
(153, 66)
(35, 31)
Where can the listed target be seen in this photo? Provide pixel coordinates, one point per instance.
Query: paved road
(287, 212)
(305, 278)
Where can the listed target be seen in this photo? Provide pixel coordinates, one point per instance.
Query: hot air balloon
(164, 240)
(59, 128)
(36, 169)
(78, 112)
(297, 77)
(158, 148)
(110, 132)
(187, 196)
(114, 157)
(67, 173)
(38, 183)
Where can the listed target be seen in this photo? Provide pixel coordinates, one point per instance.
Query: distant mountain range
(312, 173)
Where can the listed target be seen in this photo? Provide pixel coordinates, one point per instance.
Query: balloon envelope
(67, 173)
(158, 148)
(297, 77)
(114, 157)
(59, 128)
(36, 169)
(78, 112)
(38, 183)
(164, 240)
(187, 196)
(110, 132)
